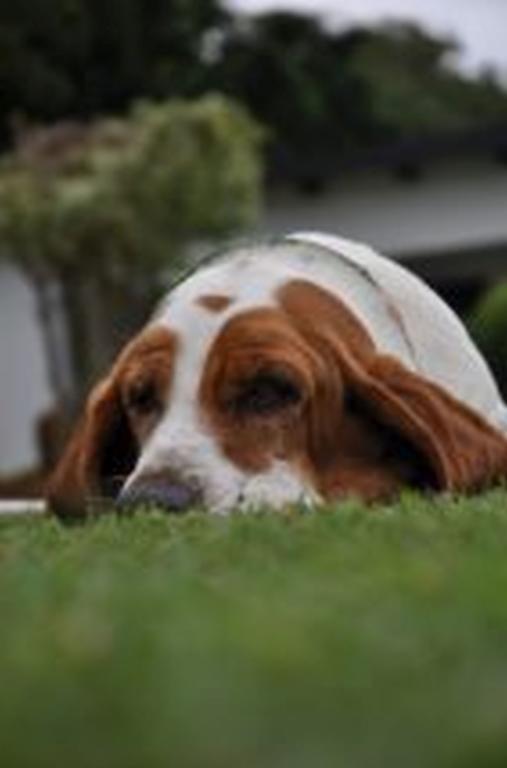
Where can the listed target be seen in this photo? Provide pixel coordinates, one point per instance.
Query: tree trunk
(55, 336)
(101, 316)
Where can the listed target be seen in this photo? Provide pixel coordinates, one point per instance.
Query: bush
(102, 210)
(488, 326)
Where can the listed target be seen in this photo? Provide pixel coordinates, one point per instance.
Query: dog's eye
(142, 397)
(266, 394)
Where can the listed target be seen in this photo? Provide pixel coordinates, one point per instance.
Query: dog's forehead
(200, 306)
(198, 309)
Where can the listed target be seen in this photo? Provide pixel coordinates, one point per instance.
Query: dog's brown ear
(394, 427)
(101, 452)
(463, 451)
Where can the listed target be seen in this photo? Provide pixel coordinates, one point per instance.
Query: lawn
(345, 637)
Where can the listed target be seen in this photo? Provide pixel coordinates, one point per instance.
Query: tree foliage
(296, 78)
(328, 92)
(310, 85)
(413, 87)
(85, 57)
(127, 194)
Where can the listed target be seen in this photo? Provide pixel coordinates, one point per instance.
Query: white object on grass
(15, 507)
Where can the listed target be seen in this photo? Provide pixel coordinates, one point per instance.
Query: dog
(301, 370)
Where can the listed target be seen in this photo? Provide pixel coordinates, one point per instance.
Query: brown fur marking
(214, 302)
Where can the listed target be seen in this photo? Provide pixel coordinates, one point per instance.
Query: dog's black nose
(160, 492)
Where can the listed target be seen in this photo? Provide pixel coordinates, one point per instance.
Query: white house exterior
(456, 205)
(454, 215)
(24, 386)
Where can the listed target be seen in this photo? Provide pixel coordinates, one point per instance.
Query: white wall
(24, 387)
(452, 205)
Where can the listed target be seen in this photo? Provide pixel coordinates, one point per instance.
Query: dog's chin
(277, 489)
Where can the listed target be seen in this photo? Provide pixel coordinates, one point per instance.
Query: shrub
(102, 210)
(488, 326)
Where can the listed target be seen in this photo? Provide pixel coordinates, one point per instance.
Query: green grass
(348, 637)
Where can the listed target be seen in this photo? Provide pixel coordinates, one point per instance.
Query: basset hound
(299, 370)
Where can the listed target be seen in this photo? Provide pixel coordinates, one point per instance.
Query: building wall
(24, 386)
(453, 205)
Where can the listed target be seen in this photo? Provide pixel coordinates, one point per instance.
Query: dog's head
(254, 387)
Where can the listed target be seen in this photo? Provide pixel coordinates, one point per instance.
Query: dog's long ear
(464, 451)
(101, 452)
(395, 427)
(420, 425)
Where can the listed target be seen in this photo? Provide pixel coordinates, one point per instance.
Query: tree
(320, 91)
(295, 77)
(83, 58)
(413, 88)
(325, 93)
(104, 210)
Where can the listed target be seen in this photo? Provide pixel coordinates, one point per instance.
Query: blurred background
(135, 133)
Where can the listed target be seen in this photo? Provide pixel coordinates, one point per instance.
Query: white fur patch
(278, 487)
